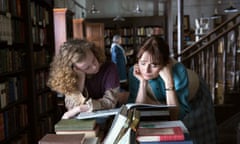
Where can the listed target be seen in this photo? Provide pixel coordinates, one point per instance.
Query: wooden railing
(216, 58)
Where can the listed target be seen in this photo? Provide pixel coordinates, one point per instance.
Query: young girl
(159, 79)
(80, 72)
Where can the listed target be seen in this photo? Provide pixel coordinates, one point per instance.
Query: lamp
(231, 9)
(138, 9)
(215, 15)
(93, 9)
(119, 18)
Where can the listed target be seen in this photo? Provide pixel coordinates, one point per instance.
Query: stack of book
(162, 132)
(125, 122)
(127, 126)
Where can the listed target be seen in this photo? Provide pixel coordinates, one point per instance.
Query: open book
(110, 112)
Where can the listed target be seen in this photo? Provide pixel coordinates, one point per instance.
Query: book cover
(62, 139)
(75, 124)
(160, 134)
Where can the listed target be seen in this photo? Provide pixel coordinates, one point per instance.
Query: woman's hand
(137, 73)
(72, 112)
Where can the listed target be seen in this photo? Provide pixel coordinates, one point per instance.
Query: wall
(112, 8)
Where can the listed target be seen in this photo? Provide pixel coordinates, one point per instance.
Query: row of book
(45, 102)
(125, 40)
(41, 80)
(39, 15)
(127, 31)
(13, 120)
(13, 7)
(11, 60)
(41, 57)
(11, 90)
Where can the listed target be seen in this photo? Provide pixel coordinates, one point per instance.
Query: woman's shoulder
(178, 67)
(109, 65)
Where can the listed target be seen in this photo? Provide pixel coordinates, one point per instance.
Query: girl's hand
(72, 112)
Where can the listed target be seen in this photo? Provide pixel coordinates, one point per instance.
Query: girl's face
(89, 65)
(148, 69)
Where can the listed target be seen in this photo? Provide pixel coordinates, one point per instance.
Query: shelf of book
(43, 101)
(13, 79)
(26, 47)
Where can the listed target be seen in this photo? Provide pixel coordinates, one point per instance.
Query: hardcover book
(62, 139)
(164, 124)
(160, 134)
(75, 126)
(169, 142)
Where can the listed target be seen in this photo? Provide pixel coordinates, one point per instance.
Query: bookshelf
(133, 30)
(26, 47)
(41, 49)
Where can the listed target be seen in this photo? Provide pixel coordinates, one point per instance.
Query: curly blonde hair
(62, 77)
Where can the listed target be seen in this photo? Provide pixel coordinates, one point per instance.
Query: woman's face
(89, 65)
(148, 69)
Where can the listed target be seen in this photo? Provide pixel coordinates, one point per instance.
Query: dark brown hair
(157, 48)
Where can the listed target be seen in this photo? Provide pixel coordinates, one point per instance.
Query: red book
(160, 134)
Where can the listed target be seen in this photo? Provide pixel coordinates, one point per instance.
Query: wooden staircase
(216, 58)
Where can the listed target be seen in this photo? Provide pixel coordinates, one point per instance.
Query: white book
(118, 123)
(99, 113)
(110, 112)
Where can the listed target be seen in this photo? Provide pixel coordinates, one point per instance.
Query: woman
(158, 79)
(80, 72)
(119, 58)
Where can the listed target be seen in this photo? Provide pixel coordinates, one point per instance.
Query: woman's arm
(171, 95)
(143, 84)
(108, 101)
